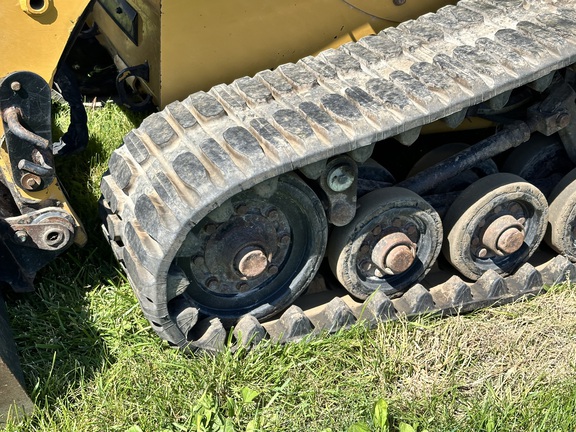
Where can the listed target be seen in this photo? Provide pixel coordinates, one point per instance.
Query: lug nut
(213, 284)
(243, 287)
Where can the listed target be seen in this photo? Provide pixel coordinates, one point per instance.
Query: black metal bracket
(139, 71)
(124, 15)
(25, 104)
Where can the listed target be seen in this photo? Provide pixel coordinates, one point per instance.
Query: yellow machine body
(192, 46)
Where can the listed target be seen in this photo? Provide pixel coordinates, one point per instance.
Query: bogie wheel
(254, 254)
(390, 245)
(496, 223)
(561, 233)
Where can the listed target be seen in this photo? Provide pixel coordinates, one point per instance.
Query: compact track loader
(303, 147)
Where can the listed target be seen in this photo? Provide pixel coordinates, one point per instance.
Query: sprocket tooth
(378, 307)
(452, 294)
(293, 325)
(489, 286)
(527, 279)
(336, 315)
(416, 300)
(208, 335)
(558, 270)
(248, 331)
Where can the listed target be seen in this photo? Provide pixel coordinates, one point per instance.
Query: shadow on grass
(56, 328)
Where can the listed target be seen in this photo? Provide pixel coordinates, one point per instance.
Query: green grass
(92, 363)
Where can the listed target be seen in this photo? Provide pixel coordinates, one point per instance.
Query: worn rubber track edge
(183, 162)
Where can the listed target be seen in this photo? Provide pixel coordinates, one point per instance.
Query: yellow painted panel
(204, 43)
(35, 41)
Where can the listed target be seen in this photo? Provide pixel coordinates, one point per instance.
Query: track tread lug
(489, 286)
(293, 325)
(335, 316)
(558, 270)
(377, 308)
(248, 331)
(525, 279)
(452, 294)
(208, 335)
(417, 300)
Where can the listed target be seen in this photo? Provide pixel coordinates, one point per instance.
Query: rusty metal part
(12, 117)
(394, 253)
(504, 236)
(25, 112)
(251, 261)
(47, 231)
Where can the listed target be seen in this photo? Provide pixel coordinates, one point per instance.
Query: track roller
(390, 245)
(561, 234)
(495, 224)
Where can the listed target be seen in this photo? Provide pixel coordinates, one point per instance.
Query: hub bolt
(21, 236)
(340, 178)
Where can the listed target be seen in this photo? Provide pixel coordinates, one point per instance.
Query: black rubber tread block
(276, 82)
(413, 88)
(324, 73)
(273, 140)
(298, 76)
(248, 331)
(364, 55)
(417, 300)
(464, 76)
(335, 316)
(253, 91)
(558, 270)
(551, 40)
(122, 170)
(323, 124)
(136, 147)
(489, 286)
(525, 279)
(204, 106)
(452, 294)
(382, 45)
(208, 335)
(455, 19)
(158, 130)
(185, 317)
(181, 115)
(368, 106)
(378, 307)
(293, 325)
(504, 55)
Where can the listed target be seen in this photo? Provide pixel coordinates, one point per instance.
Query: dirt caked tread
(190, 158)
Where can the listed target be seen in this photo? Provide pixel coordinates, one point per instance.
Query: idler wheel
(495, 224)
(390, 244)
(254, 254)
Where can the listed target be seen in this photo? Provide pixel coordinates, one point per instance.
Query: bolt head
(21, 236)
(399, 2)
(15, 86)
(340, 178)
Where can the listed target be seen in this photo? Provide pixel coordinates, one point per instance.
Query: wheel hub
(394, 253)
(504, 236)
(251, 262)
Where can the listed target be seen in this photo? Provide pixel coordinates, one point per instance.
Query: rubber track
(183, 162)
